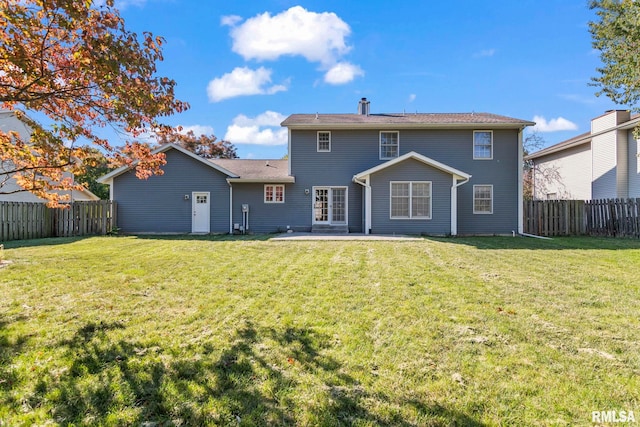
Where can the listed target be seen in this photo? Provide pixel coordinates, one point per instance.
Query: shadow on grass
(530, 243)
(47, 241)
(207, 237)
(10, 347)
(257, 378)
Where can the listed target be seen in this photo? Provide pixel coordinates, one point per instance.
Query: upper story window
(274, 193)
(483, 199)
(410, 200)
(482, 144)
(389, 145)
(324, 142)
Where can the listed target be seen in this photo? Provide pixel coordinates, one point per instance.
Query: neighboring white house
(9, 122)
(600, 164)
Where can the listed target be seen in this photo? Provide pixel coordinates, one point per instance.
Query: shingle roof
(256, 170)
(572, 142)
(403, 119)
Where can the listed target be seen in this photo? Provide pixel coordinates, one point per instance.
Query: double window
(410, 200)
(274, 193)
(482, 145)
(389, 145)
(324, 142)
(483, 199)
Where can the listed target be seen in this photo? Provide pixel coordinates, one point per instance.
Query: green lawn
(227, 331)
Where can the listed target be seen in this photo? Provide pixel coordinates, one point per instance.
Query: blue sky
(246, 65)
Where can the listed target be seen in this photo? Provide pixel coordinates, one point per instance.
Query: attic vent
(363, 107)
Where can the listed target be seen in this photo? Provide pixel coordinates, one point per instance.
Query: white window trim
(380, 144)
(474, 145)
(411, 217)
(264, 193)
(474, 200)
(318, 142)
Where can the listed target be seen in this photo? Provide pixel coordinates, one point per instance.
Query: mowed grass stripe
(219, 330)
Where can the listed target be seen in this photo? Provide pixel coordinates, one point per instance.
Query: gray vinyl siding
(157, 205)
(351, 152)
(411, 170)
(263, 217)
(604, 183)
(354, 151)
(633, 166)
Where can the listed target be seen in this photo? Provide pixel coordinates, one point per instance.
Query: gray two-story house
(439, 174)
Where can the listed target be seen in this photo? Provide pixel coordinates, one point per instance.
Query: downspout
(230, 207)
(454, 204)
(520, 184)
(367, 203)
(289, 150)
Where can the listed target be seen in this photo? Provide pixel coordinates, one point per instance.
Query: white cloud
(242, 81)
(553, 125)
(263, 129)
(484, 53)
(319, 37)
(342, 72)
(230, 20)
(198, 130)
(412, 97)
(268, 118)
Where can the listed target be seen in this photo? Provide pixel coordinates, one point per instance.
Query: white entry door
(201, 212)
(330, 205)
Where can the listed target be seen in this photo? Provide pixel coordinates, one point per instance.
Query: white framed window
(324, 142)
(482, 144)
(410, 200)
(389, 144)
(483, 199)
(274, 193)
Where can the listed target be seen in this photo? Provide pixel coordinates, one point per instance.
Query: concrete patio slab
(350, 236)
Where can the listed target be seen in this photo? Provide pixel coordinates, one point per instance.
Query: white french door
(330, 205)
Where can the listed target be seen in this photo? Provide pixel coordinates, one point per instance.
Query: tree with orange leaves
(77, 68)
(206, 146)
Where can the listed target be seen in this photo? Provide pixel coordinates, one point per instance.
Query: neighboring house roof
(582, 138)
(419, 157)
(403, 120)
(108, 177)
(572, 142)
(11, 191)
(256, 170)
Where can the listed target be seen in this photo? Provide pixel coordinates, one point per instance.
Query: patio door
(330, 205)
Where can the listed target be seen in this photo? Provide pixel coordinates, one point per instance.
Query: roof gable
(419, 157)
(166, 147)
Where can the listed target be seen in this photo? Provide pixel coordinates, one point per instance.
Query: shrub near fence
(23, 220)
(603, 217)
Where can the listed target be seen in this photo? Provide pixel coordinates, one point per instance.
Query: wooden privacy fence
(603, 217)
(23, 220)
